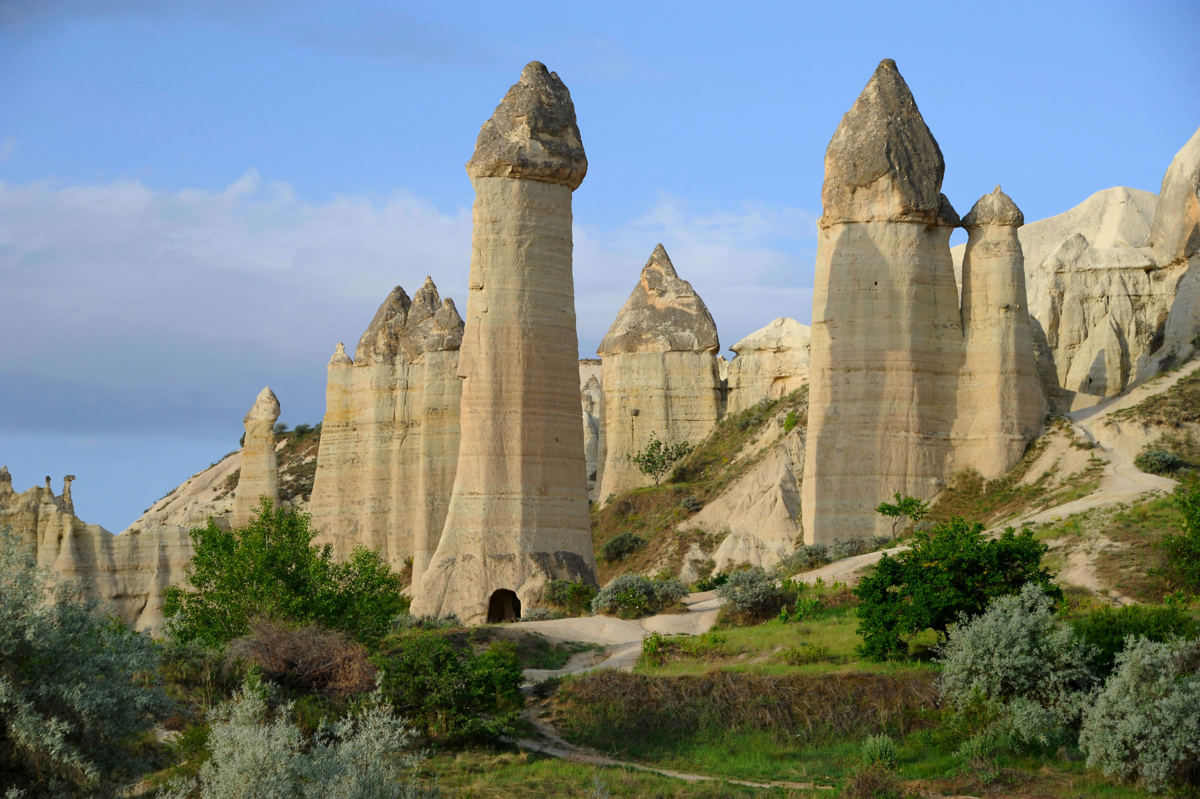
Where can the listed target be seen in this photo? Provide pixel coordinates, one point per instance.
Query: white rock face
(1000, 402)
(127, 572)
(661, 376)
(389, 440)
(592, 399)
(887, 340)
(518, 513)
(260, 470)
(770, 363)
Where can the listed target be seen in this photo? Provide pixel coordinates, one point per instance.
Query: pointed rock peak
(533, 134)
(1175, 232)
(883, 164)
(5, 477)
(340, 358)
(425, 303)
(996, 208)
(265, 407)
(663, 314)
(592, 385)
(379, 344)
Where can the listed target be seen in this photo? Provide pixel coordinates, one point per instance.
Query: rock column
(660, 373)
(886, 334)
(260, 470)
(518, 514)
(1000, 400)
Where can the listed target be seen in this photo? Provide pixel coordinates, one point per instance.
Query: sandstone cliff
(389, 441)
(518, 512)
(770, 363)
(660, 374)
(127, 572)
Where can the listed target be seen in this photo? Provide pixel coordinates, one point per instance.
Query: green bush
(1183, 551)
(1106, 629)
(452, 697)
(804, 653)
(632, 595)
(879, 750)
(790, 421)
(949, 570)
(621, 546)
(805, 558)
(1145, 724)
(1023, 666)
(691, 504)
(271, 569)
(752, 592)
(75, 688)
(573, 597)
(1156, 460)
(714, 580)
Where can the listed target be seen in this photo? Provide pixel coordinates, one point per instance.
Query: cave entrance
(503, 606)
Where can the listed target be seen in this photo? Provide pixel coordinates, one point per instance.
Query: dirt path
(622, 639)
(552, 744)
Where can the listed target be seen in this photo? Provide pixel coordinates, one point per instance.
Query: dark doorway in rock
(503, 606)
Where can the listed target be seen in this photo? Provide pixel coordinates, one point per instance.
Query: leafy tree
(621, 546)
(905, 507)
(449, 695)
(270, 568)
(658, 458)
(947, 571)
(75, 687)
(1107, 629)
(1184, 550)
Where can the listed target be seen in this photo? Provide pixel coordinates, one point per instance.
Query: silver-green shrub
(1145, 724)
(260, 754)
(632, 595)
(75, 687)
(668, 592)
(750, 591)
(1018, 659)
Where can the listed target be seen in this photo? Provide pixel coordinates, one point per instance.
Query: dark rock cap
(403, 329)
(996, 208)
(883, 163)
(533, 134)
(663, 314)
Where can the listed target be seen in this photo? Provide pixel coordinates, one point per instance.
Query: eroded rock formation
(592, 399)
(389, 440)
(886, 335)
(518, 513)
(260, 471)
(770, 363)
(128, 573)
(661, 376)
(1000, 402)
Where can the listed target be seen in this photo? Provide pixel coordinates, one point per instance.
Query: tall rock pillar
(518, 513)
(1000, 401)
(260, 471)
(886, 334)
(660, 373)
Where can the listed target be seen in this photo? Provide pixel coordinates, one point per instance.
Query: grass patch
(1140, 569)
(1177, 406)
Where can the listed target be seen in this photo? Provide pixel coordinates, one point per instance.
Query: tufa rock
(533, 134)
(260, 471)
(389, 439)
(770, 363)
(660, 372)
(1175, 233)
(518, 514)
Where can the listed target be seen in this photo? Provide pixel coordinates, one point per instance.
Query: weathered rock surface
(259, 470)
(661, 375)
(389, 440)
(127, 572)
(770, 363)
(592, 399)
(518, 513)
(1000, 402)
(886, 334)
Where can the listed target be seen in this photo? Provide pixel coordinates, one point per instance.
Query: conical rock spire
(532, 134)
(996, 208)
(883, 163)
(265, 407)
(663, 314)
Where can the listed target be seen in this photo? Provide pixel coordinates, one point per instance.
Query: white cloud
(128, 307)
(7, 147)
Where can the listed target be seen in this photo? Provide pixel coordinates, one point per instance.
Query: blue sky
(198, 199)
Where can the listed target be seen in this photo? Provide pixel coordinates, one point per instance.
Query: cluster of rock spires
(459, 444)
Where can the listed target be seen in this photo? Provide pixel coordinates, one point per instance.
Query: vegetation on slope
(653, 513)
